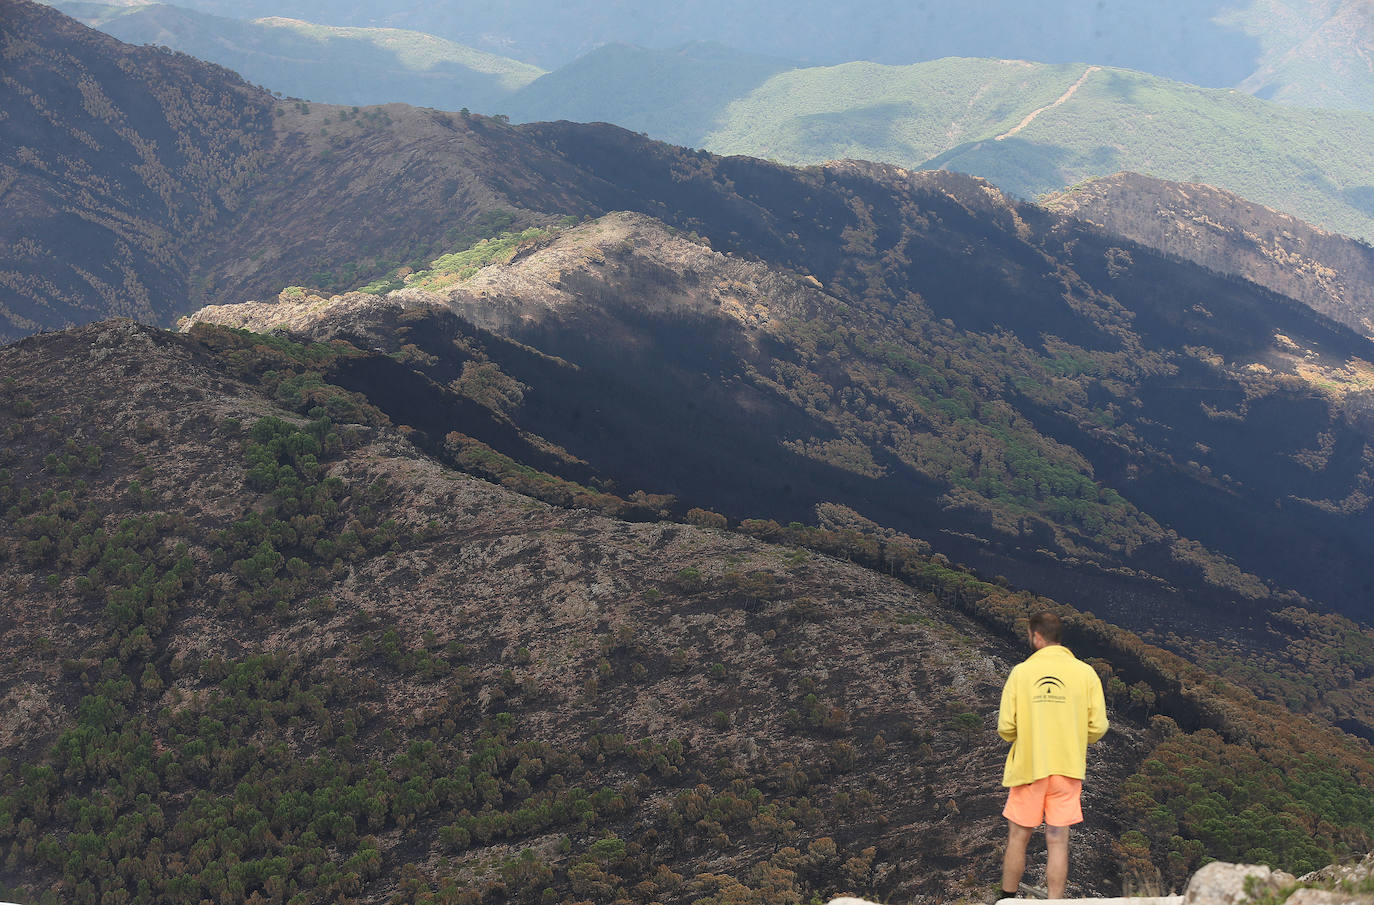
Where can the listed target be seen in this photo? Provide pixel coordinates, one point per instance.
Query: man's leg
(1057, 865)
(1014, 859)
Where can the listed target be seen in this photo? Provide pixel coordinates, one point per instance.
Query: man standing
(1052, 709)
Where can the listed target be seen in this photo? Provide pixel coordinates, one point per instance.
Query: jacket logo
(1049, 684)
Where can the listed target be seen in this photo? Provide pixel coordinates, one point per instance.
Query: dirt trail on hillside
(1030, 117)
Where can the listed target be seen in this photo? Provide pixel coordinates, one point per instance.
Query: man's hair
(1047, 626)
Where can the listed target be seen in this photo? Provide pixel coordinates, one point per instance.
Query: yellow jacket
(1052, 710)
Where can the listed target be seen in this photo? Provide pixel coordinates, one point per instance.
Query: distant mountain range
(1312, 52)
(341, 65)
(1306, 52)
(1212, 43)
(1031, 128)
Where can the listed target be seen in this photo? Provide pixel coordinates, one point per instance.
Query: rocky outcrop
(1337, 884)
(1222, 883)
(296, 311)
(1342, 874)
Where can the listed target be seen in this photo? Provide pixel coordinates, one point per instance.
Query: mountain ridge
(1191, 44)
(1224, 232)
(547, 298)
(1116, 120)
(948, 112)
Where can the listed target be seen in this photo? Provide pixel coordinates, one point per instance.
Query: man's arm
(1097, 709)
(1006, 713)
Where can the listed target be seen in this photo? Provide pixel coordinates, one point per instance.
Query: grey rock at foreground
(1120, 900)
(1220, 883)
(1329, 897)
(1336, 874)
(1226, 884)
(1137, 900)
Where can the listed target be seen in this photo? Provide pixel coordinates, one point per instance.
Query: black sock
(1010, 895)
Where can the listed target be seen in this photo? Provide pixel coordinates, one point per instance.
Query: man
(1052, 709)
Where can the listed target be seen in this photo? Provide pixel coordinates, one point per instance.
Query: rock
(1329, 897)
(1120, 900)
(1337, 875)
(1341, 873)
(1220, 883)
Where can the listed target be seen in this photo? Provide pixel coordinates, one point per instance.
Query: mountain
(1313, 53)
(264, 646)
(339, 65)
(330, 667)
(337, 654)
(1067, 450)
(106, 178)
(1050, 401)
(1226, 233)
(1182, 40)
(1033, 128)
(1301, 52)
(1030, 128)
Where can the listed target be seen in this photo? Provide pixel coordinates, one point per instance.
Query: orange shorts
(1055, 800)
